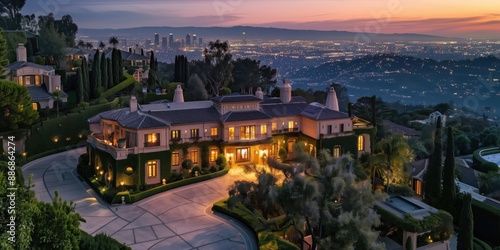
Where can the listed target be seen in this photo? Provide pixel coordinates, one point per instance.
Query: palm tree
(89, 45)
(113, 41)
(80, 44)
(102, 45)
(394, 152)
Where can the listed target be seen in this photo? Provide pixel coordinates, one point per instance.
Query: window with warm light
(34, 106)
(247, 132)
(195, 133)
(152, 167)
(175, 134)
(242, 154)
(361, 143)
(175, 158)
(213, 154)
(21, 80)
(37, 80)
(152, 140)
(263, 129)
(194, 156)
(231, 133)
(290, 126)
(418, 187)
(214, 132)
(27, 80)
(336, 151)
(274, 126)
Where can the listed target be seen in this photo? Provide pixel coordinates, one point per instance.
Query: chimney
(178, 94)
(259, 93)
(133, 104)
(21, 53)
(331, 100)
(286, 92)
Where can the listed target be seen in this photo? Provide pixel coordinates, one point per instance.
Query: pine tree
(79, 86)
(449, 186)
(85, 80)
(110, 72)
(96, 73)
(466, 230)
(433, 174)
(104, 72)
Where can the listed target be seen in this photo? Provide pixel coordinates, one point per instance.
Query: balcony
(194, 139)
(285, 130)
(246, 138)
(122, 153)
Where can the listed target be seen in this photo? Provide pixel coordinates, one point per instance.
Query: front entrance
(242, 154)
(257, 154)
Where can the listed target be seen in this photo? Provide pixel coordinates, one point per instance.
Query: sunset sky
(454, 18)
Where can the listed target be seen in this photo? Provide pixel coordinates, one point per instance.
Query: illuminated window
(37, 80)
(195, 133)
(361, 143)
(336, 151)
(194, 156)
(242, 154)
(152, 140)
(175, 159)
(152, 169)
(21, 80)
(418, 187)
(35, 106)
(213, 154)
(290, 126)
(247, 132)
(214, 132)
(27, 80)
(274, 126)
(175, 134)
(263, 129)
(231, 133)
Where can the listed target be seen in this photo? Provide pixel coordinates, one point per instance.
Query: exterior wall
(238, 125)
(336, 127)
(348, 144)
(239, 106)
(26, 71)
(185, 131)
(310, 127)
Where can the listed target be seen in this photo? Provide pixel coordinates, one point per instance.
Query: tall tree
(85, 80)
(3, 55)
(113, 41)
(152, 73)
(110, 73)
(195, 90)
(104, 72)
(449, 186)
(267, 78)
(219, 61)
(372, 109)
(96, 73)
(29, 23)
(181, 69)
(16, 109)
(9, 14)
(433, 175)
(115, 62)
(68, 28)
(246, 75)
(52, 44)
(80, 96)
(466, 227)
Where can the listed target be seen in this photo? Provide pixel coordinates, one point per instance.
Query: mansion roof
(21, 64)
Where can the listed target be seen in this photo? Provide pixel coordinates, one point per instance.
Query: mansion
(142, 144)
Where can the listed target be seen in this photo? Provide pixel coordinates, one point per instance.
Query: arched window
(361, 143)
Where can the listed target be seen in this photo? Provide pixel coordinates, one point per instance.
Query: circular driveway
(177, 219)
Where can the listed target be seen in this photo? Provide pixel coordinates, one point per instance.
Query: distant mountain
(212, 33)
(411, 80)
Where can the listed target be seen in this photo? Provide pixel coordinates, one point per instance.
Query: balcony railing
(285, 130)
(122, 153)
(248, 138)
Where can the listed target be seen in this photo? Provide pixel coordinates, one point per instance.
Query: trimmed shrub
(175, 176)
(487, 166)
(221, 160)
(195, 169)
(213, 169)
(100, 241)
(187, 164)
(283, 154)
(205, 170)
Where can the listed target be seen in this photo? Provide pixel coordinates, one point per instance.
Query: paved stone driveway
(178, 219)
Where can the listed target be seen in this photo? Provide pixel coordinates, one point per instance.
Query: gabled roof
(236, 116)
(319, 112)
(20, 65)
(236, 98)
(187, 116)
(283, 110)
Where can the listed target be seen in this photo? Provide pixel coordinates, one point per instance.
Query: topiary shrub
(212, 169)
(221, 160)
(175, 176)
(409, 244)
(205, 171)
(488, 167)
(195, 169)
(283, 154)
(187, 164)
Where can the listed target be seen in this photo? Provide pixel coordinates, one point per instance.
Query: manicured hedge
(477, 160)
(480, 245)
(119, 87)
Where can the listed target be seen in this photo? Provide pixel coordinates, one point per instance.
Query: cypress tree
(79, 86)
(96, 73)
(104, 72)
(3, 55)
(186, 70)
(433, 174)
(85, 80)
(152, 76)
(110, 72)
(449, 186)
(176, 69)
(115, 61)
(466, 230)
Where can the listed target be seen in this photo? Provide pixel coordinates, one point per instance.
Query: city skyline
(447, 18)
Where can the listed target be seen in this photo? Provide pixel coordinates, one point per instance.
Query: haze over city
(465, 19)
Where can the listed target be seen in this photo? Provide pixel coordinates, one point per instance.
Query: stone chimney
(259, 93)
(133, 104)
(178, 94)
(286, 92)
(21, 53)
(331, 100)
